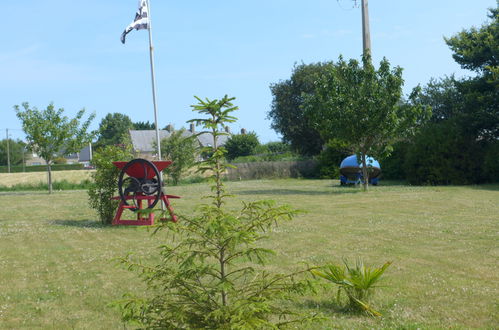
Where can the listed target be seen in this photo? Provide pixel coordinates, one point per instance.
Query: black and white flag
(140, 22)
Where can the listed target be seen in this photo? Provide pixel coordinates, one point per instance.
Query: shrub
(358, 283)
(491, 162)
(241, 145)
(105, 180)
(393, 166)
(330, 159)
(207, 278)
(180, 149)
(60, 160)
(441, 154)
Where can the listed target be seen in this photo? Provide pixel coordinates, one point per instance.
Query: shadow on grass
(491, 187)
(80, 223)
(328, 307)
(337, 191)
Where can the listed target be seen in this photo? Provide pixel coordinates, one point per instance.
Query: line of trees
(327, 108)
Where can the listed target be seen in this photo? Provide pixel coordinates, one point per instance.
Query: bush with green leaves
(241, 145)
(357, 282)
(330, 159)
(210, 274)
(182, 150)
(105, 180)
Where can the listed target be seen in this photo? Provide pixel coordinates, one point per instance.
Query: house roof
(144, 140)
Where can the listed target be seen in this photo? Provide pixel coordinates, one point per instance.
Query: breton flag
(140, 22)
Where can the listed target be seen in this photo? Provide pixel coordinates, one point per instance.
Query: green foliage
(491, 162)
(393, 165)
(360, 106)
(209, 277)
(105, 180)
(15, 151)
(477, 49)
(287, 115)
(436, 157)
(241, 145)
(277, 147)
(180, 149)
(49, 133)
(60, 161)
(143, 125)
(330, 159)
(457, 147)
(114, 130)
(269, 157)
(358, 283)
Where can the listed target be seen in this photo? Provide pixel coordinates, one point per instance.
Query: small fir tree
(208, 278)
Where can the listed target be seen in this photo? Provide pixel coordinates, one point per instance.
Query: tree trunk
(365, 172)
(49, 177)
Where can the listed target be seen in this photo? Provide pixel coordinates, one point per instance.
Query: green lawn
(57, 269)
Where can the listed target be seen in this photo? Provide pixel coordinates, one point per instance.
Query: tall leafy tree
(114, 130)
(287, 115)
(477, 49)
(50, 134)
(359, 105)
(15, 150)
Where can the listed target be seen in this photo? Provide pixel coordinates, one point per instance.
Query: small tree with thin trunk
(51, 134)
(361, 106)
(210, 276)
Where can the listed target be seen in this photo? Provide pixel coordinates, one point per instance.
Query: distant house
(143, 141)
(84, 156)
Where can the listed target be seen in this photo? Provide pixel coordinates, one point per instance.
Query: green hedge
(41, 168)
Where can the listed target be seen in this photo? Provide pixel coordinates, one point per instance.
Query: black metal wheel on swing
(139, 177)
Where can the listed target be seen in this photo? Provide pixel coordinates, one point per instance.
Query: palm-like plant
(357, 282)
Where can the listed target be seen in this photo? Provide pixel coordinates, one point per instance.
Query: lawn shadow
(80, 223)
(489, 186)
(326, 307)
(337, 191)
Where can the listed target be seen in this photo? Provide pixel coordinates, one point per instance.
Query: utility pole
(8, 150)
(366, 34)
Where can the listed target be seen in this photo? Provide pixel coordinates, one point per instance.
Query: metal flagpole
(153, 80)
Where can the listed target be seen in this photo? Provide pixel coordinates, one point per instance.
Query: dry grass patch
(72, 176)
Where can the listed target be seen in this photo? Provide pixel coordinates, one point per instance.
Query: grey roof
(206, 139)
(144, 140)
(85, 154)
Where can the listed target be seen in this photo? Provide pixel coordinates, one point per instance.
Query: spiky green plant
(358, 283)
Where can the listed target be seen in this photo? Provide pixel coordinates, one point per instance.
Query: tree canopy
(287, 115)
(241, 145)
(180, 149)
(143, 125)
(478, 48)
(114, 130)
(15, 151)
(49, 133)
(356, 104)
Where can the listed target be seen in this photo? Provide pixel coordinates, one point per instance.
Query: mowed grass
(73, 176)
(57, 269)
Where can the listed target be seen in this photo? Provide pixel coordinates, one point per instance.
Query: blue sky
(69, 53)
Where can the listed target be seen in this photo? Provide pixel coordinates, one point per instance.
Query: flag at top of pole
(141, 21)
